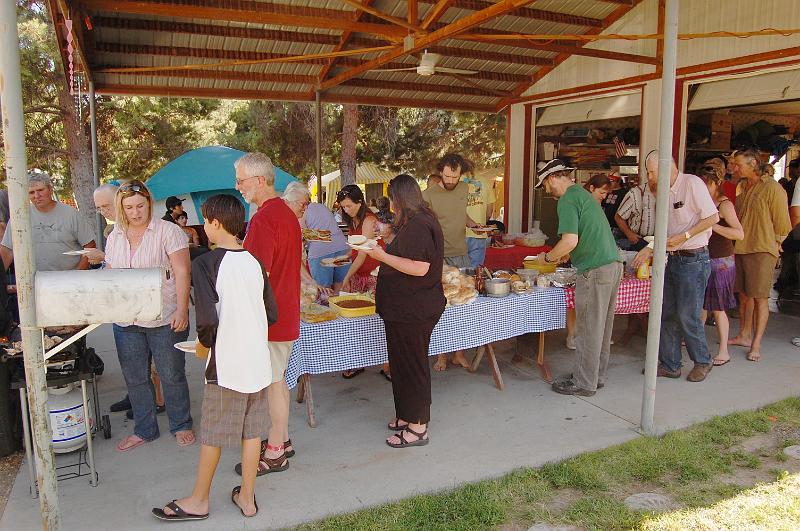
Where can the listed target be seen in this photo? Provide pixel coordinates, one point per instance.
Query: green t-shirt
(451, 209)
(579, 213)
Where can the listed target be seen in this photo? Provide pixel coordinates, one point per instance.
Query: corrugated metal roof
(125, 35)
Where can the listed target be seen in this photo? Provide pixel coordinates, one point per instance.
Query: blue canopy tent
(199, 174)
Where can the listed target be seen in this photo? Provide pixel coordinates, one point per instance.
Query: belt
(688, 252)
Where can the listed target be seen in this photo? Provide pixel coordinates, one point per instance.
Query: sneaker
(568, 387)
(122, 405)
(571, 343)
(699, 372)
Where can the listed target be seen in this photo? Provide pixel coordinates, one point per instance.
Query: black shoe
(122, 405)
(159, 410)
(600, 385)
(568, 387)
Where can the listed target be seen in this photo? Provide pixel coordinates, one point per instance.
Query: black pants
(408, 344)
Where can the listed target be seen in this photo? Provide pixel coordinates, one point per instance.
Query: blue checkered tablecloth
(344, 343)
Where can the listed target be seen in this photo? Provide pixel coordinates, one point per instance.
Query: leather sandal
(420, 441)
(396, 426)
(237, 490)
(267, 465)
(288, 447)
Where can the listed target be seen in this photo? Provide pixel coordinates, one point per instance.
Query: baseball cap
(550, 167)
(173, 201)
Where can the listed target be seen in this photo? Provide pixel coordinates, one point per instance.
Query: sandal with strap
(396, 426)
(404, 443)
(237, 490)
(267, 465)
(288, 447)
(179, 516)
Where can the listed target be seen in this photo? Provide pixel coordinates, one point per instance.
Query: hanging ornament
(70, 50)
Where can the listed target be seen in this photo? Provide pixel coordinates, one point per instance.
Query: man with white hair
(691, 215)
(273, 237)
(57, 229)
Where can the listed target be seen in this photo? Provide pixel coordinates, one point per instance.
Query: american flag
(619, 147)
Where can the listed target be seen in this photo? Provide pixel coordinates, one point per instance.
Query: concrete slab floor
(343, 465)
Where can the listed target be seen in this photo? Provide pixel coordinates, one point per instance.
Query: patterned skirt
(719, 292)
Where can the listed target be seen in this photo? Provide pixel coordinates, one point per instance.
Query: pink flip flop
(121, 445)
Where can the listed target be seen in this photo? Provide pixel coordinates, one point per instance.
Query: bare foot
(185, 438)
(190, 506)
(441, 363)
(753, 356)
(459, 359)
(740, 341)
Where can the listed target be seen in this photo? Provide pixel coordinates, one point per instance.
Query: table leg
(26, 433)
(476, 361)
(498, 378)
(312, 420)
(541, 362)
(301, 389)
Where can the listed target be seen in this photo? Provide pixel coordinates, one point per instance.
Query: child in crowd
(234, 305)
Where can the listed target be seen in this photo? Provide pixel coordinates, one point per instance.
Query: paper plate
(186, 346)
(80, 252)
(370, 245)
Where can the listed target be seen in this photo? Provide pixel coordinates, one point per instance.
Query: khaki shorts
(279, 352)
(755, 274)
(230, 416)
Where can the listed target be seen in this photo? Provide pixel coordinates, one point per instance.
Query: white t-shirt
(796, 195)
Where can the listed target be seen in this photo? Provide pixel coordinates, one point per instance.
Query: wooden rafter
(236, 55)
(341, 44)
(365, 7)
(569, 49)
(610, 19)
(469, 53)
(248, 11)
(422, 87)
(534, 14)
(181, 92)
(412, 12)
(230, 75)
(436, 12)
(452, 29)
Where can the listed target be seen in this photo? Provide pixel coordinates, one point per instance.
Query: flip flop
(352, 373)
(796, 341)
(184, 443)
(237, 490)
(720, 364)
(179, 516)
(121, 448)
(386, 375)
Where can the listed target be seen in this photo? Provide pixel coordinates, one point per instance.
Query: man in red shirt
(273, 237)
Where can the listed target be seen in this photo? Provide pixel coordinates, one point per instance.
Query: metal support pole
(99, 221)
(662, 213)
(17, 181)
(318, 131)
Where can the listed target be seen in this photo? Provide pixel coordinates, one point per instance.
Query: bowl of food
(528, 274)
(352, 305)
(497, 287)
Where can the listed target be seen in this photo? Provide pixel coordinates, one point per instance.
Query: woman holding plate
(410, 300)
(140, 240)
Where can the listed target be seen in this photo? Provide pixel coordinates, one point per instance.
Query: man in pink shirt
(691, 215)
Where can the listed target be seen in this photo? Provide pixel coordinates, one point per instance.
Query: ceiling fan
(427, 66)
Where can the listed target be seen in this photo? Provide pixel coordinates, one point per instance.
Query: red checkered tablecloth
(510, 258)
(633, 296)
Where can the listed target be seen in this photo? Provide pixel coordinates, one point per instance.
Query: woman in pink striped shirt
(140, 240)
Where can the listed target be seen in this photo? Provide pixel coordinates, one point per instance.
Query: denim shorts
(327, 276)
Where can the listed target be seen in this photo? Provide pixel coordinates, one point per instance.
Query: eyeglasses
(133, 189)
(239, 182)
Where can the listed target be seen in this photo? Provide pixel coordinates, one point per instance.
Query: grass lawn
(727, 473)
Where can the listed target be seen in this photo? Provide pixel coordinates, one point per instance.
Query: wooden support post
(489, 349)
(541, 362)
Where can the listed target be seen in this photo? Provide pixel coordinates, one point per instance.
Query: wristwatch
(687, 235)
(547, 260)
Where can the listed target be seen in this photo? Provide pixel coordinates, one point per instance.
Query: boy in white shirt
(234, 306)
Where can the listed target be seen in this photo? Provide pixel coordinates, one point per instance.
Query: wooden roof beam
(248, 11)
(415, 103)
(534, 14)
(449, 31)
(412, 12)
(422, 87)
(436, 12)
(363, 6)
(230, 75)
(469, 53)
(344, 39)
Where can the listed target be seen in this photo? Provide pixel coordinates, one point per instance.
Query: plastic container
(541, 268)
(352, 312)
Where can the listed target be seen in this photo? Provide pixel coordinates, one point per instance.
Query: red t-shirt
(273, 237)
(369, 263)
(729, 189)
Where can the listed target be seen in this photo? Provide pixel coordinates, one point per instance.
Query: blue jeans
(476, 249)
(136, 345)
(328, 276)
(685, 283)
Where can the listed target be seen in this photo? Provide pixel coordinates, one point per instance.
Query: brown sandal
(396, 426)
(404, 443)
(287, 446)
(237, 490)
(267, 465)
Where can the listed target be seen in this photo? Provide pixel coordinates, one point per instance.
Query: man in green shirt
(585, 237)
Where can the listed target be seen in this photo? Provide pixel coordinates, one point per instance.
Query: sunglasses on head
(132, 188)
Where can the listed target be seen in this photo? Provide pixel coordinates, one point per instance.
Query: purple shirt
(318, 216)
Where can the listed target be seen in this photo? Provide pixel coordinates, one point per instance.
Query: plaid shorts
(230, 416)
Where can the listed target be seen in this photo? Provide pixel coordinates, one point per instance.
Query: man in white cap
(585, 238)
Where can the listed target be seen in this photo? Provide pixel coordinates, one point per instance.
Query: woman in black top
(410, 300)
